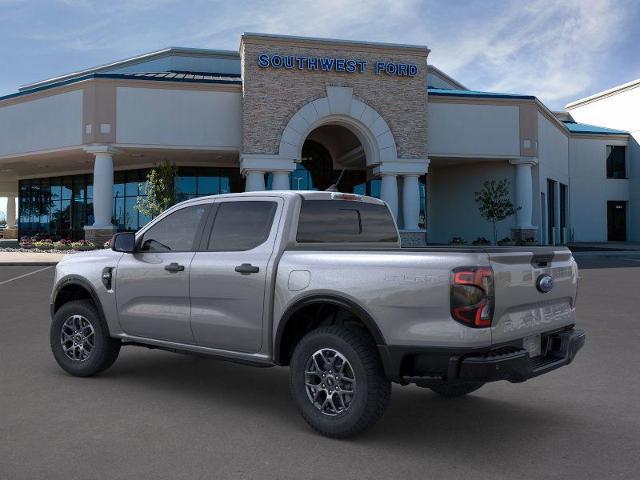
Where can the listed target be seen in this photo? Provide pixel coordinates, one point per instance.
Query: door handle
(174, 267)
(246, 269)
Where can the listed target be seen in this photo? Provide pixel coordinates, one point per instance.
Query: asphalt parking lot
(159, 415)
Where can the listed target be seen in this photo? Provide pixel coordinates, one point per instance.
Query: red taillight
(472, 296)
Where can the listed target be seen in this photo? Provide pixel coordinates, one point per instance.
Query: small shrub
(26, 242)
(46, 244)
(62, 245)
(481, 241)
(506, 241)
(527, 242)
(457, 241)
(83, 245)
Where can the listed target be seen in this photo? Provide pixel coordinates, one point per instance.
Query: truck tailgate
(521, 308)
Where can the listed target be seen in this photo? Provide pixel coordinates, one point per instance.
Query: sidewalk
(29, 259)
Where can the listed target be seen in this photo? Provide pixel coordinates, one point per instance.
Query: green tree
(494, 203)
(160, 190)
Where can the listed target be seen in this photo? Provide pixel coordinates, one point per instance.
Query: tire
(80, 317)
(357, 359)
(456, 389)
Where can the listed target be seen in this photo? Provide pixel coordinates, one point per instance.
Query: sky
(557, 50)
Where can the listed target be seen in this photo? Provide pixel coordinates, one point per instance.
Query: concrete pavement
(158, 415)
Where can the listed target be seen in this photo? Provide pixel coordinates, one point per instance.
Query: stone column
(389, 192)
(410, 170)
(280, 181)
(11, 232)
(410, 201)
(524, 198)
(254, 181)
(102, 228)
(254, 165)
(11, 211)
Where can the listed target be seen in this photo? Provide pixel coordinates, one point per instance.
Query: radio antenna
(334, 186)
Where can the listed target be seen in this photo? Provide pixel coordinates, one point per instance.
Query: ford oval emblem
(544, 283)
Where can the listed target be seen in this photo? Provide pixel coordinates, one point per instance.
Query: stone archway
(339, 107)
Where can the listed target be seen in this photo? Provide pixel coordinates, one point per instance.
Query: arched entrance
(332, 153)
(340, 133)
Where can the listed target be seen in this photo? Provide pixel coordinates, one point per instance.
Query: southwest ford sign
(333, 64)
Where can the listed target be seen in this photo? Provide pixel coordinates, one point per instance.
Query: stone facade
(272, 96)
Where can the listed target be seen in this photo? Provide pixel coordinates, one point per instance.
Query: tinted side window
(241, 225)
(616, 167)
(345, 221)
(176, 232)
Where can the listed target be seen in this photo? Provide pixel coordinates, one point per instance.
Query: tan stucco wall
(272, 96)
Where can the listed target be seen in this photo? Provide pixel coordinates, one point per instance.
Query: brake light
(346, 196)
(472, 296)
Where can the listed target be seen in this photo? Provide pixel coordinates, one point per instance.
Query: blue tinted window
(131, 214)
(208, 185)
(60, 207)
(186, 185)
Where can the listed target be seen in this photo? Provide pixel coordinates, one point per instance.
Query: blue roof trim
(225, 80)
(585, 128)
(444, 92)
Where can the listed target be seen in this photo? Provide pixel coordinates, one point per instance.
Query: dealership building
(304, 113)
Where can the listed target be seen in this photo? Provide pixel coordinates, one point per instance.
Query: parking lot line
(25, 275)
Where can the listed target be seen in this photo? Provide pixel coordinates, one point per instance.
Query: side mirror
(124, 242)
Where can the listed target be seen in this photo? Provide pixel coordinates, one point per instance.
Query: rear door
(229, 274)
(616, 221)
(522, 308)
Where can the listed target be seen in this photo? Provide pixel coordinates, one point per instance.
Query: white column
(410, 202)
(254, 181)
(103, 189)
(280, 181)
(524, 193)
(11, 212)
(389, 192)
(557, 229)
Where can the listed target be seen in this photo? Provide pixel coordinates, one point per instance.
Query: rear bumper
(427, 366)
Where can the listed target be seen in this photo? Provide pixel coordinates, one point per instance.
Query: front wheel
(80, 340)
(337, 381)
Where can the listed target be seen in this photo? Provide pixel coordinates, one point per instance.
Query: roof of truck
(306, 194)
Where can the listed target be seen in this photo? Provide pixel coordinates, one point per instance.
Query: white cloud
(549, 48)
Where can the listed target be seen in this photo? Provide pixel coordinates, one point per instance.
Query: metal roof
(585, 128)
(135, 60)
(444, 92)
(177, 75)
(187, 77)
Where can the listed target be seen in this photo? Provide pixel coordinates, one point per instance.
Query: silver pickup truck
(317, 281)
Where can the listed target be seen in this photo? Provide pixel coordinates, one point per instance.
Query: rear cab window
(240, 226)
(345, 221)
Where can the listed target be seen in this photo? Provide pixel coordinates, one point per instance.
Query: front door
(229, 273)
(617, 221)
(152, 285)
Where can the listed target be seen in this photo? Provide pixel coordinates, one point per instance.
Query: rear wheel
(80, 340)
(337, 381)
(456, 389)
